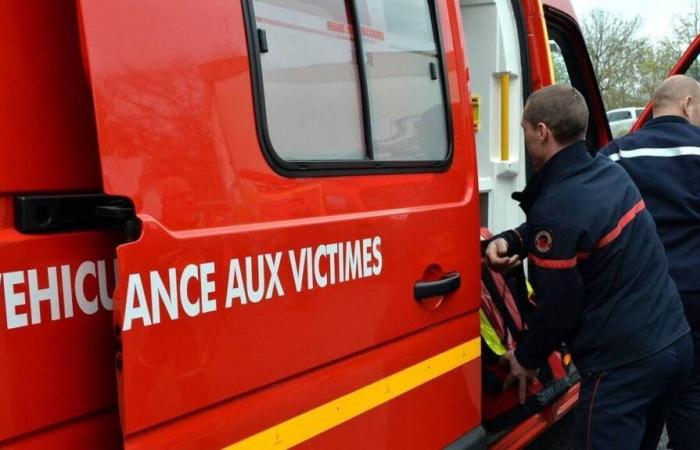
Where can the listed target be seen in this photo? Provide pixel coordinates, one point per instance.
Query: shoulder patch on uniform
(543, 241)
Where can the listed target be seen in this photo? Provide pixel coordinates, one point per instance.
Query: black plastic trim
(364, 83)
(474, 440)
(449, 283)
(526, 76)
(552, 392)
(525, 65)
(262, 41)
(36, 213)
(296, 169)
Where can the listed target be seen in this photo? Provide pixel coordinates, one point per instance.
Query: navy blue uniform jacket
(599, 269)
(663, 159)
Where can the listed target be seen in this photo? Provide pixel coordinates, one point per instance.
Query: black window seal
(364, 83)
(296, 169)
(525, 65)
(524, 48)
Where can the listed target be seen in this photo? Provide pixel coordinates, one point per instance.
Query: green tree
(629, 66)
(655, 65)
(686, 26)
(619, 55)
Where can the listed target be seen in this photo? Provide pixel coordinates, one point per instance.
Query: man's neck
(668, 112)
(549, 153)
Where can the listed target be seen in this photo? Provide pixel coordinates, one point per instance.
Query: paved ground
(560, 437)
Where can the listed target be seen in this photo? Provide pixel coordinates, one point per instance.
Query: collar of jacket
(665, 119)
(566, 161)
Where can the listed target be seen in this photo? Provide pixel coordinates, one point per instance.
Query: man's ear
(685, 106)
(542, 131)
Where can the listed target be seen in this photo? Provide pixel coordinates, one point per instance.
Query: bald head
(678, 95)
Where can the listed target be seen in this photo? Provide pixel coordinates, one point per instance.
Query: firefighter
(602, 281)
(663, 159)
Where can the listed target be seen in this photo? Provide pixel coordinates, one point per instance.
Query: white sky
(656, 14)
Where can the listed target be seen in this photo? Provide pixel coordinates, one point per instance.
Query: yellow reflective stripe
(546, 42)
(489, 335)
(314, 422)
(505, 116)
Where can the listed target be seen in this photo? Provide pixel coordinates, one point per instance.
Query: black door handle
(450, 282)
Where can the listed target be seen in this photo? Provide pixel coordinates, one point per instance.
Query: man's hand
(520, 373)
(497, 256)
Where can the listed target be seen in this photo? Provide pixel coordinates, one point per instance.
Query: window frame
(581, 74)
(294, 169)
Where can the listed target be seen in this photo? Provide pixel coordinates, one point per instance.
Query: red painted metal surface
(538, 47)
(528, 430)
(687, 58)
(401, 423)
(57, 381)
(177, 135)
(54, 370)
(97, 430)
(47, 131)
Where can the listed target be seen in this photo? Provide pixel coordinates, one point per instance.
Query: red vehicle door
(688, 65)
(308, 268)
(57, 382)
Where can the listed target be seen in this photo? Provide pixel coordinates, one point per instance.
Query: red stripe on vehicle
(553, 263)
(624, 221)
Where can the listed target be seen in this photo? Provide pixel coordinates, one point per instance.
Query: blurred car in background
(622, 119)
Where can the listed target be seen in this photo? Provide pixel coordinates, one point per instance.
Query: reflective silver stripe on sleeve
(614, 157)
(658, 152)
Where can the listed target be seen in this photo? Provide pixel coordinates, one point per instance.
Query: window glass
(571, 64)
(638, 112)
(334, 10)
(561, 74)
(311, 80)
(405, 86)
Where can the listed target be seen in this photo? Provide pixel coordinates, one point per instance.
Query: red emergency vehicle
(255, 223)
